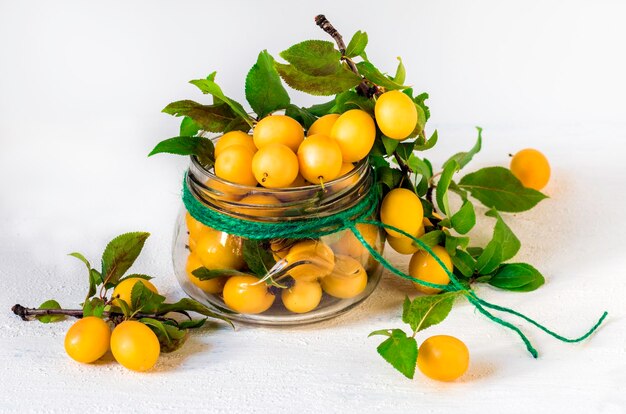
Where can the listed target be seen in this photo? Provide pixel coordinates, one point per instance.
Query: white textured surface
(81, 91)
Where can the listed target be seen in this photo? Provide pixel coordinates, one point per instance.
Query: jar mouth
(275, 204)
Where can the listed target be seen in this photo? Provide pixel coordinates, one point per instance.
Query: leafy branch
(144, 304)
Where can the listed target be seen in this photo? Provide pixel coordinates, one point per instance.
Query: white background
(81, 89)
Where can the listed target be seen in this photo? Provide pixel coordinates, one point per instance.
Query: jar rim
(293, 203)
(356, 171)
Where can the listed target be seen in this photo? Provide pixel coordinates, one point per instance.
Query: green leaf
(170, 337)
(332, 84)
(302, 115)
(519, 277)
(192, 324)
(399, 350)
(442, 186)
(187, 304)
(82, 258)
(258, 259)
(465, 219)
(390, 144)
(93, 307)
(421, 166)
(135, 276)
(351, 100)
(405, 150)
(50, 304)
(93, 281)
(463, 158)
(475, 251)
(432, 238)
(389, 176)
(378, 161)
(96, 276)
(174, 331)
(357, 44)
(420, 101)
(264, 90)
(200, 147)
(212, 118)
(400, 76)
(189, 127)
(203, 273)
(143, 299)
(502, 247)
(314, 57)
(322, 109)
(210, 87)
(375, 76)
(427, 144)
(498, 188)
(463, 262)
(426, 311)
(120, 254)
(454, 242)
(124, 307)
(157, 327)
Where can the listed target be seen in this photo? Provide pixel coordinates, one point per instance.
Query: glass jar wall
(276, 281)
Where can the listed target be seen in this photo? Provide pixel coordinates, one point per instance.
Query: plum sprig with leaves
(319, 68)
(324, 68)
(145, 305)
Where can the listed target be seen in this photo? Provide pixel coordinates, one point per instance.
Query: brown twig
(25, 313)
(429, 196)
(326, 26)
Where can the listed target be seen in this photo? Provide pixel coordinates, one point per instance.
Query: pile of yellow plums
(334, 265)
(277, 154)
(133, 344)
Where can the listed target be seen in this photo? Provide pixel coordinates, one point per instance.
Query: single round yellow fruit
(135, 346)
(260, 199)
(349, 245)
(235, 165)
(191, 243)
(280, 248)
(275, 166)
(194, 227)
(244, 294)
(346, 167)
(424, 267)
(323, 125)
(278, 129)
(256, 200)
(395, 114)
(347, 280)
(222, 190)
(531, 167)
(87, 339)
(298, 182)
(355, 132)
(212, 286)
(219, 250)
(320, 256)
(302, 297)
(124, 289)
(403, 244)
(319, 159)
(234, 138)
(443, 358)
(402, 209)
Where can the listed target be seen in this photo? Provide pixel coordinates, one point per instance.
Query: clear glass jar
(336, 269)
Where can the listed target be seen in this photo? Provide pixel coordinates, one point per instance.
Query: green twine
(347, 220)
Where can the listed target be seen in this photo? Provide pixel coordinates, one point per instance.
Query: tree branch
(25, 313)
(362, 88)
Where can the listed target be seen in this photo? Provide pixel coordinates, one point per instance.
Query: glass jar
(276, 281)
